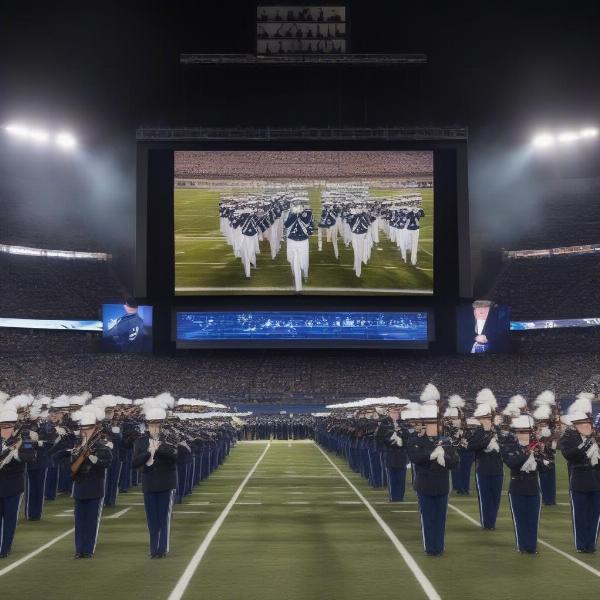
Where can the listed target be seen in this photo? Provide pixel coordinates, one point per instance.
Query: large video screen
(483, 327)
(199, 329)
(304, 222)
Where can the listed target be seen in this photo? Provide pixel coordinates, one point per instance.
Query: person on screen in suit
(479, 333)
(127, 334)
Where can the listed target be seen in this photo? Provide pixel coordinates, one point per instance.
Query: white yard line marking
(196, 503)
(249, 503)
(297, 502)
(120, 513)
(544, 543)
(34, 553)
(425, 584)
(348, 502)
(187, 575)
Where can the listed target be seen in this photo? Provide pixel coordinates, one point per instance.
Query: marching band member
(89, 460)
(489, 471)
(524, 491)
(579, 445)
(16, 450)
(158, 459)
(454, 419)
(433, 457)
(543, 416)
(393, 436)
(299, 226)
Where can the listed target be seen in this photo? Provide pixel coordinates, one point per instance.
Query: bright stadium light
(39, 135)
(17, 130)
(567, 137)
(543, 140)
(588, 132)
(65, 140)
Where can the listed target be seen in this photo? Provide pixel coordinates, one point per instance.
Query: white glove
(93, 459)
(110, 445)
(396, 439)
(529, 465)
(545, 432)
(61, 431)
(553, 445)
(116, 430)
(593, 453)
(33, 436)
(493, 446)
(438, 454)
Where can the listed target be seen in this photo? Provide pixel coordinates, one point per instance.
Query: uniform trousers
(159, 507)
(585, 511)
(434, 510)
(9, 512)
(87, 524)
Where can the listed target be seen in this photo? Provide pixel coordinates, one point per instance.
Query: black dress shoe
(77, 556)
(5, 555)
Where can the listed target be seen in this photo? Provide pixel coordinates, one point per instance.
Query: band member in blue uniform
(16, 450)
(299, 226)
(393, 436)
(579, 445)
(127, 333)
(547, 443)
(521, 457)
(489, 470)
(157, 457)
(433, 457)
(89, 480)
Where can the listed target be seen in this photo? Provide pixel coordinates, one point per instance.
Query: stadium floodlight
(39, 135)
(566, 137)
(65, 140)
(17, 130)
(588, 132)
(543, 140)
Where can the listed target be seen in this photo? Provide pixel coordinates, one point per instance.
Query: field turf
(298, 530)
(205, 263)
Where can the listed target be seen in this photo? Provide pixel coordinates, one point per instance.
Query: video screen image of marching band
(343, 223)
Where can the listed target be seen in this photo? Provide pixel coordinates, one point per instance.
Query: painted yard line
(187, 575)
(47, 545)
(308, 288)
(190, 512)
(119, 514)
(348, 502)
(196, 503)
(421, 578)
(249, 503)
(544, 543)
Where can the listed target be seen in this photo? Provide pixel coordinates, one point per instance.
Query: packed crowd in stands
(559, 341)
(55, 288)
(569, 215)
(550, 288)
(288, 376)
(301, 164)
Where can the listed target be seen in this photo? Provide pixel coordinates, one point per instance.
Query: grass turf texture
(309, 538)
(203, 259)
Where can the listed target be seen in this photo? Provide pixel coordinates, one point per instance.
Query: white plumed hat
(430, 395)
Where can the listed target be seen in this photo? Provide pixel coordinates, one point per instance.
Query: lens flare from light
(589, 132)
(567, 137)
(65, 140)
(543, 140)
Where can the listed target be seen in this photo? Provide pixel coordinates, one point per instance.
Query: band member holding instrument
(579, 445)
(489, 471)
(392, 435)
(157, 455)
(519, 455)
(547, 447)
(89, 460)
(433, 457)
(15, 451)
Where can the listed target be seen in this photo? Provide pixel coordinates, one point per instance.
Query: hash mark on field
(120, 513)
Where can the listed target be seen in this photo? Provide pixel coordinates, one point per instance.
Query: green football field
(286, 521)
(205, 263)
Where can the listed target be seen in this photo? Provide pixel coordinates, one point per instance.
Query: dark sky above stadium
(107, 67)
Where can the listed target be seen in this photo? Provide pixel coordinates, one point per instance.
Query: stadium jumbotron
(302, 320)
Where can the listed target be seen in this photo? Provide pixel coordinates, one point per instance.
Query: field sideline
(300, 526)
(204, 263)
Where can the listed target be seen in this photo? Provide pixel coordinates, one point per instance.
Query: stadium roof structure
(182, 134)
(303, 59)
